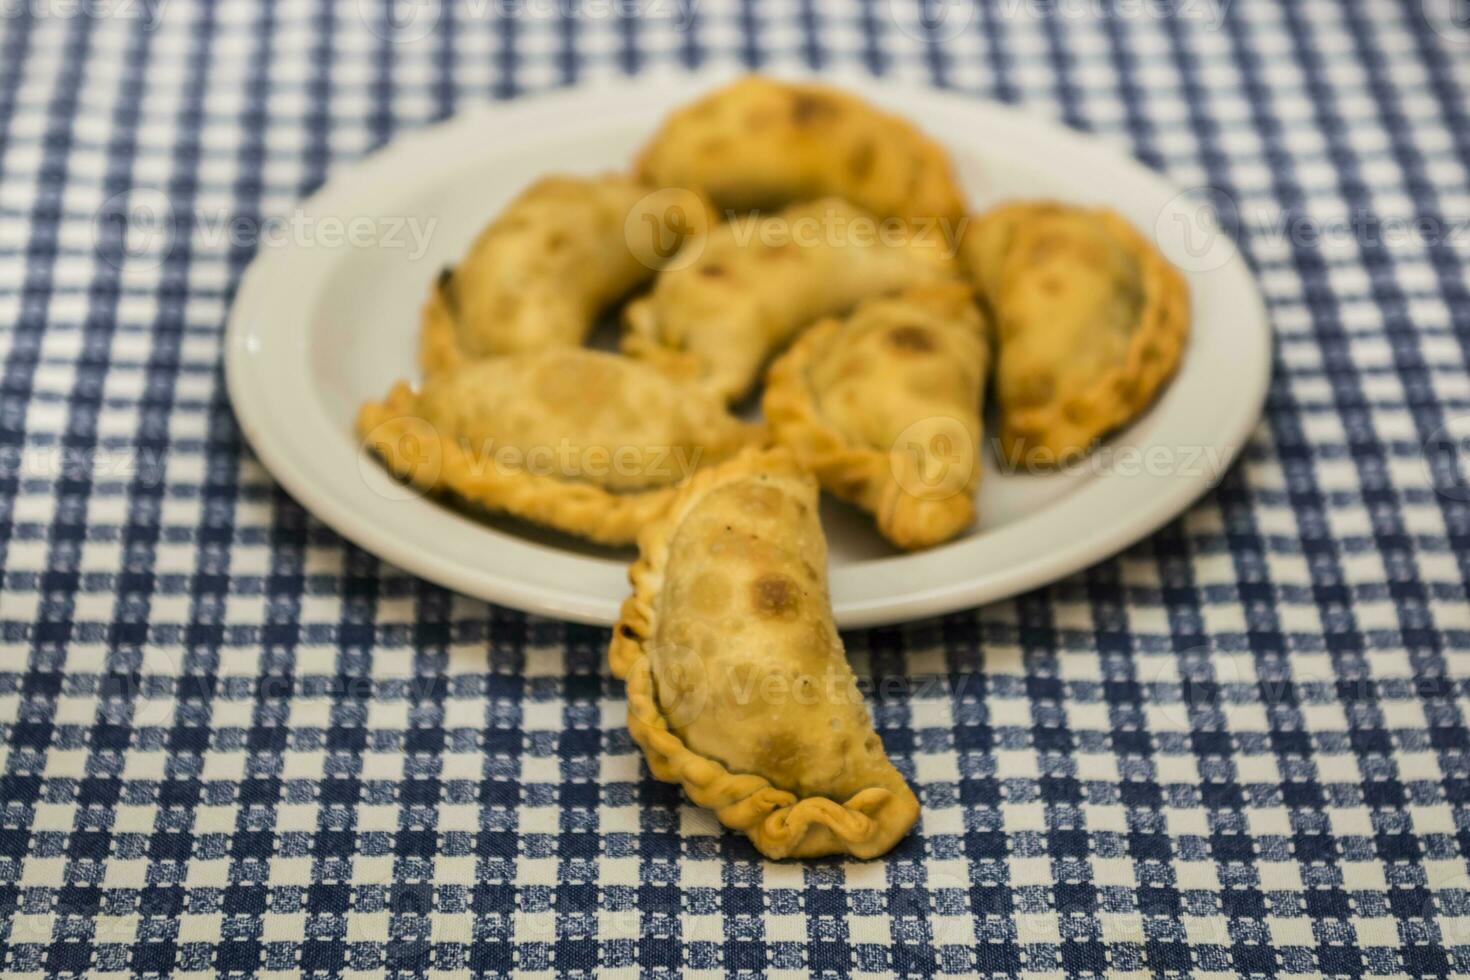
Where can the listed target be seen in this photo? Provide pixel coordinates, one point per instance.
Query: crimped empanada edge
(577, 508)
(940, 199)
(859, 474)
(1153, 357)
(780, 824)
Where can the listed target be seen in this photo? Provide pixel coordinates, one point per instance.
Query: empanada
(757, 281)
(555, 258)
(761, 143)
(885, 409)
(583, 441)
(738, 686)
(1092, 321)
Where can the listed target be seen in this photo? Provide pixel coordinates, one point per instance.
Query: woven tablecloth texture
(230, 742)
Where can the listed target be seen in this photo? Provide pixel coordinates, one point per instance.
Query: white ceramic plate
(321, 325)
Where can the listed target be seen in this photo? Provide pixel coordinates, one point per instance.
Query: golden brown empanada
(761, 143)
(1092, 321)
(738, 686)
(580, 440)
(884, 408)
(757, 281)
(556, 257)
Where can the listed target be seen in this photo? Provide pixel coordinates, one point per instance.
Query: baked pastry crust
(559, 254)
(583, 441)
(729, 595)
(759, 143)
(746, 288)
(884, 408)
(1092, 322)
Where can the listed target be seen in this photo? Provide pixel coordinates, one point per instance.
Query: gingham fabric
(231, 743)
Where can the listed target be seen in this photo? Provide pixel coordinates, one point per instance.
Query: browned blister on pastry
(884, 407)
(583, 441)
(738, 686)
(741, 292)
(1091, 322)
(762, 143)
(557, 256)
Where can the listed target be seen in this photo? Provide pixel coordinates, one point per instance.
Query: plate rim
(548, 112)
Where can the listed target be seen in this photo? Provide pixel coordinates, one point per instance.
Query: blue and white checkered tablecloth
(231, 743)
